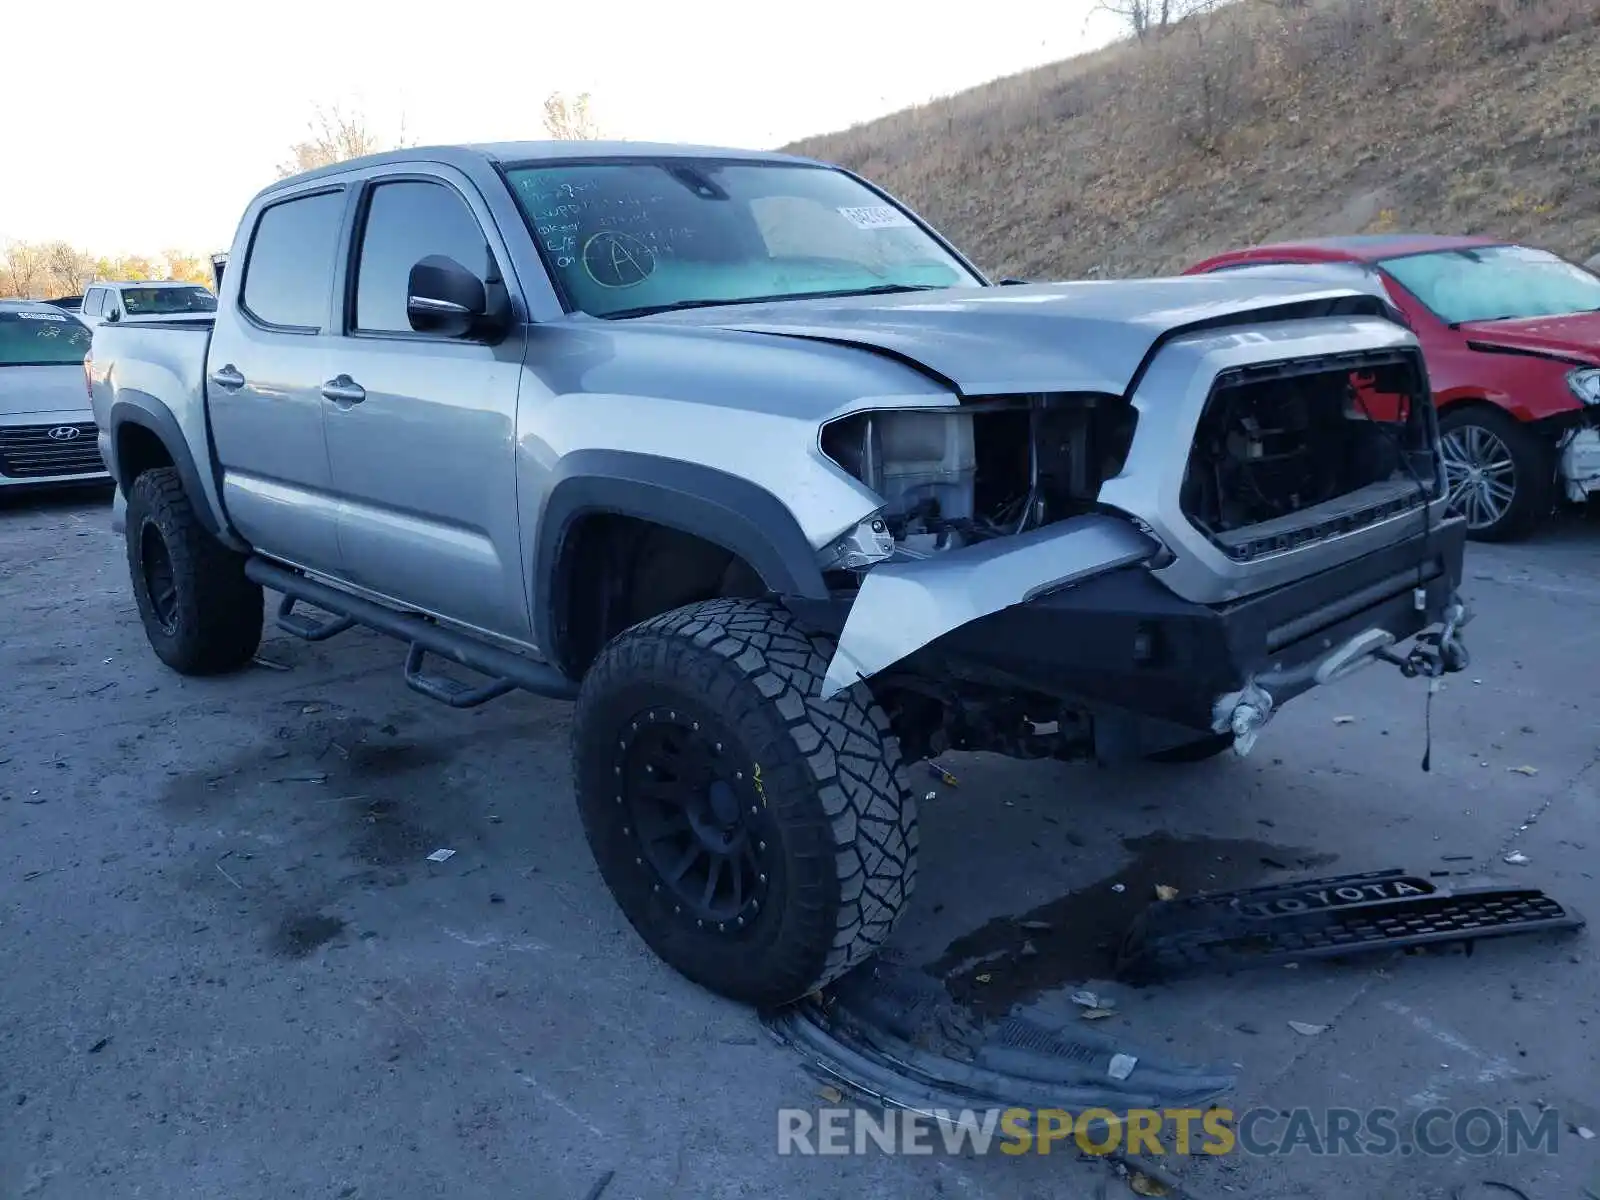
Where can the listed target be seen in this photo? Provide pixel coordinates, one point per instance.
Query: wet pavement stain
(1075, 937)
(298, 936)
(383, 837)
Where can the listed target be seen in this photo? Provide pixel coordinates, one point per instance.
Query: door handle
(343, 390)
(228, 378)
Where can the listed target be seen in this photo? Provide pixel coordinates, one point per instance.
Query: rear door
(264, 374)
(423, 447)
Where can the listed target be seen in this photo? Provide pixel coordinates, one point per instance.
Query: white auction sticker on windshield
(27, 316)
(876, 216)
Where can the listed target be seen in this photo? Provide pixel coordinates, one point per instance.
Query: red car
(1511, 336)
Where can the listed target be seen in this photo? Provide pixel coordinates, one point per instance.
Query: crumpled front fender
(903, 606)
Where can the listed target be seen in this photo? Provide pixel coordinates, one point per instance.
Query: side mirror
(444, 297)
(112, 315)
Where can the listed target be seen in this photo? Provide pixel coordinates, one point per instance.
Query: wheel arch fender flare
(725, 510)
(146, 412)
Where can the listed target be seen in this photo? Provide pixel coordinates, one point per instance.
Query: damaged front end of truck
(1155, 572)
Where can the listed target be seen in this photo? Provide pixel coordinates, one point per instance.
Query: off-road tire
(1199, 750)
(1533, 461)
(216, 612)
(835, 799)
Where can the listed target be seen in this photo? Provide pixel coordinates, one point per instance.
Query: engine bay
(992, 468)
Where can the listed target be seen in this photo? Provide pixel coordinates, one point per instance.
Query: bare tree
(569, 118)
(70, 268)
(27, 269)
(1147, 17)
(336, 136)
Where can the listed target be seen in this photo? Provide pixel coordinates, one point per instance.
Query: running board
(1326, 918)
(506, 671)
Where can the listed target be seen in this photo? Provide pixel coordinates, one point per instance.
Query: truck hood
(51, 389)
(1090, 337)
(1572, 336)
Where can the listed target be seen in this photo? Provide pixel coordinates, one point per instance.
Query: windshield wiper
(879, 289)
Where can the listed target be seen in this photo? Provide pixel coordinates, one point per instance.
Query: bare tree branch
(570, 118)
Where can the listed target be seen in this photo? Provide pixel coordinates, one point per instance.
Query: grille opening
(1290, 454)
(31, 452)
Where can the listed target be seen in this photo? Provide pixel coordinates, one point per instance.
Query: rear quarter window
(289, 272)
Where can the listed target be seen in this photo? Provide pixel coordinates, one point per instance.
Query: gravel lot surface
(231, 971)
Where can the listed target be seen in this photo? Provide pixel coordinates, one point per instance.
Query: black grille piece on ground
(1326, 918)
(41, 451)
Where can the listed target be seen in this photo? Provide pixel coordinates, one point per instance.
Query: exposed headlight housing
(1585, 384)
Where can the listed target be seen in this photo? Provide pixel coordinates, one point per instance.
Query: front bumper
(35, 451)
(1579, 468)
(1120, 644)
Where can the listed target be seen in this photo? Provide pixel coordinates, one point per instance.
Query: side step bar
(506, 671)
(1326, 918)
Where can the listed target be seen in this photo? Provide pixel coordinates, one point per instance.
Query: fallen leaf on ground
(1165, 892)
(1098, 1014)
(1343, 720)
(831, 1094)
(1307, 1029)
(1143, 1185)
(311, 708)
(984, 978)
(1523, 770)
(1517, 858)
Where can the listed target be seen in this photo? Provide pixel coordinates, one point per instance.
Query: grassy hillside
(1266, 119)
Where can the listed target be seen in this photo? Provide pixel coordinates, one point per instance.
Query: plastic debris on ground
(1308, 1029)
(1141, 1184)
(1523, 770)
(440, 855)
(1164, 892)
(1122, 1066)
(1517, 858)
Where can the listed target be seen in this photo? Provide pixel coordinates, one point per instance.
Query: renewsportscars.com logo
(1265, 1132)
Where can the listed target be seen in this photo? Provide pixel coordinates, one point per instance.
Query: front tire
(761, 841)
(1500, 474)
(200, 614)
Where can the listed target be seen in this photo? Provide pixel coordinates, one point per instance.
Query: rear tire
(200, 613)
(1199, 750)
(698, 736)
(1505, 454)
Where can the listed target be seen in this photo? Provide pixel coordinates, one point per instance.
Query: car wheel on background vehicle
(1499, 472)
(760, 840)
(201, 614)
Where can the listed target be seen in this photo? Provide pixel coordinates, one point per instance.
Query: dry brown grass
(1262, 122)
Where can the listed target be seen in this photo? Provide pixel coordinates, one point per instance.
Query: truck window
(408, 220)
(289, 269)
(91, 302)
(167, 301)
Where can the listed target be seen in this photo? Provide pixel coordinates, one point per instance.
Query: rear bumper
(35, 451)
(1122, 643)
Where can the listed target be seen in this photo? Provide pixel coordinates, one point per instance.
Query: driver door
(421, 428)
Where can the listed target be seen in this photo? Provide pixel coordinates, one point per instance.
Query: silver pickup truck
(739, 454)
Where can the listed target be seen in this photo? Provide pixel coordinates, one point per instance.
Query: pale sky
(145, 126)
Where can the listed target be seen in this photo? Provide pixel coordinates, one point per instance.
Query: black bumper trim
(1123, 643)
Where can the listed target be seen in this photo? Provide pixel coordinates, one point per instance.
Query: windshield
(36, 338)
(167, 301)
(624, 238)
(1495, 283)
